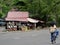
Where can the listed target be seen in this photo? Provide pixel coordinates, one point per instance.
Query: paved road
(41, 37)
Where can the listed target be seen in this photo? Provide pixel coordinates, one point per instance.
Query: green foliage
(1, 14)
(39, 9)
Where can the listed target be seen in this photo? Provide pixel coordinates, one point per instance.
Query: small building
(16, 18)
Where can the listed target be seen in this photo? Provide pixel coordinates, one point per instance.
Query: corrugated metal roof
(17, 16)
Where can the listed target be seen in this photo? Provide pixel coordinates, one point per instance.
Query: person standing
(52, 32)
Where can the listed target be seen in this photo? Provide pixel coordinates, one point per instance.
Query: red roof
(17, 16)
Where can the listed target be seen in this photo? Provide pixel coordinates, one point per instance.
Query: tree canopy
(40, 9)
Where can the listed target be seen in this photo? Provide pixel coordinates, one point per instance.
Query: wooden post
(35, 25)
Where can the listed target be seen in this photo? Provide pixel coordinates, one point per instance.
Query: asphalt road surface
(41, 37)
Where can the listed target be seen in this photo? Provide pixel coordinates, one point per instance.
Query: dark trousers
(53, 37)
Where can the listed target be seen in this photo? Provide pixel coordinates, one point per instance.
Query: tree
(39, 9)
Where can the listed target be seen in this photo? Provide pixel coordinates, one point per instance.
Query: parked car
(2, 22)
